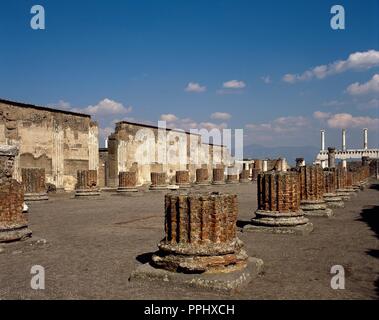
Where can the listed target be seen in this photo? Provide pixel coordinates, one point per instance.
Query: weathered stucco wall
(142, 148)
(61, 142)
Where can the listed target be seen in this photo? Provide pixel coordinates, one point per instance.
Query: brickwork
(33, 180)
(202, 176)
(244, 176)
(158, 180)
(279, 205)
(86, 183)
(13, 223)
(182, 178)
(279, 192)
(127, 179)
(200, 234)
(218, 176)
(311, 182)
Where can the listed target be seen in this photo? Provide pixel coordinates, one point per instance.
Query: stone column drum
(127, 182)
(182, 179)
(341, 184)
(279, 205)
(244, 176)
(86, 185)
(201, 247)
(312, 191)
(218, 176)
(232, 176)
(13, 223)
(33, 180)
(332, 199)
(254, 173)
(158, 181)
(202, 177)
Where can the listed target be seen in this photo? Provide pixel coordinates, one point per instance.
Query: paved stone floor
(93, 245)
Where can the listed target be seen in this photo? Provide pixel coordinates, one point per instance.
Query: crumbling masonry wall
(60, 142)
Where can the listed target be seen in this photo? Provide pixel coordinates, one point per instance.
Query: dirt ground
(92, 246)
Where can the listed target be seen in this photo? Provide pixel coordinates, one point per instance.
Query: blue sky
(135, 59)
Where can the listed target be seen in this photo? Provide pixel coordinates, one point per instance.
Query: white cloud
(346, 120)
(371, 86)
(355, 61)
(266, 79)
(107, 107)
(195, 87)
(220, 116)
(234, 84)
(211, 125)
(280, 125)
(169, 117)
(321, 115)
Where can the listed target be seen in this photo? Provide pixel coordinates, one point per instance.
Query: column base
(36, 196)
(184, 185)
(225, 282)
(218, 183)
(203, 184)
(158, 187)
(315, 208)
(15, 234)
(233, 182)
(333, 200)
(343, 194)
(82, 193)
(279, 222)
(126, 189)
(245, 181)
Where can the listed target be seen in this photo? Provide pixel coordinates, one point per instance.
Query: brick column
(332, 199)
(254, 173)
(200, 234)
(33, 180)
(218, 176)
(86, 185)
(13, 223)
(341, 184)
(331, 157)
(312, 191)
(183, 179)
(279, 205)
(232, 176)
(158, 181)
(127, 182)
(202, 177)
(200, 247)
(244, 176)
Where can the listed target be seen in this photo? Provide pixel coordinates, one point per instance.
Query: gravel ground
(92, 246)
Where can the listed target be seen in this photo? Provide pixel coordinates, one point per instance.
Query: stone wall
(146, 149)
(60, 142)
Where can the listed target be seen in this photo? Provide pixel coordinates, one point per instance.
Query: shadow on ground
(371, 217)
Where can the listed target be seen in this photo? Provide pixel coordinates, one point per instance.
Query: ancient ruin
(232, 176)
(127, 182)
(244, 176)
(279, 205)
(332, 199)
(59, 141)
(201, 247)
(183, 179)
(202, 177)
(218, 176)
(312, 191)
(33, 180)
(341, 190)
(13, 223)
(86, 184)
(158, 181)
